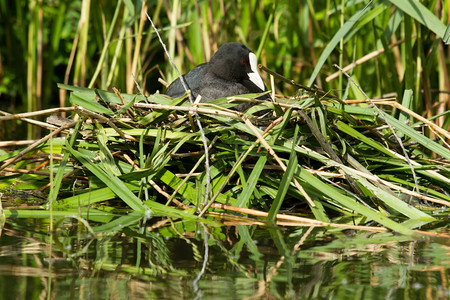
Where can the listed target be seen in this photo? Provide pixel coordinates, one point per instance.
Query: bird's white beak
(254, 75)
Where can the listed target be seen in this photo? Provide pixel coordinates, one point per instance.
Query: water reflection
(164, 260)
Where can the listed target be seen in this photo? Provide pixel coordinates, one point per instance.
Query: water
(163, 259)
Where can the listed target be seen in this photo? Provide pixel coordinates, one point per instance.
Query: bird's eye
(243, 63)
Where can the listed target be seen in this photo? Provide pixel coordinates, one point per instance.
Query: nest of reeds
(308, 158)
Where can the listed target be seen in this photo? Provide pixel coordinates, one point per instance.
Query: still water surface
(166, 259)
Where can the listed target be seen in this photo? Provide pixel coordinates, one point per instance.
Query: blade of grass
(56, 184)
(357, 135)
(244, 197)
(423, 189)
(422, 14)
(90, 105)
(416, 136)
(87, 93)
(105, 154)
(285, 181)
(187, 191)
(92, 197)
(45, 214)
(350, 203)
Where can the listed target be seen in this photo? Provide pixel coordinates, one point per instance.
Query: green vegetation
(349, 162)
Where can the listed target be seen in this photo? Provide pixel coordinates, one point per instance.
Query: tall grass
(101, 44)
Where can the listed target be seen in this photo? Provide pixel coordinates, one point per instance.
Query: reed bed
(380, 159)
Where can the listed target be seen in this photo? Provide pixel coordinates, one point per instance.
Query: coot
(231, 71)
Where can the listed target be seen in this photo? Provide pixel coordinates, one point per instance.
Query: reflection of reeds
(27, 271)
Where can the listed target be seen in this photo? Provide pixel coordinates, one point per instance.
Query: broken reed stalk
(23, 117)
(93, 115)
(363, 59)
(298, 85)
(35, 144)
(16, 143)
(8, 116)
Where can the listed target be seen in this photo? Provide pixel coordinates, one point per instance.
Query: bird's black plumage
(231, 71)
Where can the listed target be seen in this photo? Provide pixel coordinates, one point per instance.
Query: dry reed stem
(295, 220)
(129, 111)
(289, 220)
(8, 116)
(31, 121)
(93, 115)
(362, 60)
(25, 171)
(193, 109)
(233, 220)
(137, 48)
(430, 124)
(35, 144)
(16, 143)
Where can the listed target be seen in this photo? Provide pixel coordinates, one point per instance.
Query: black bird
(231, 71)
